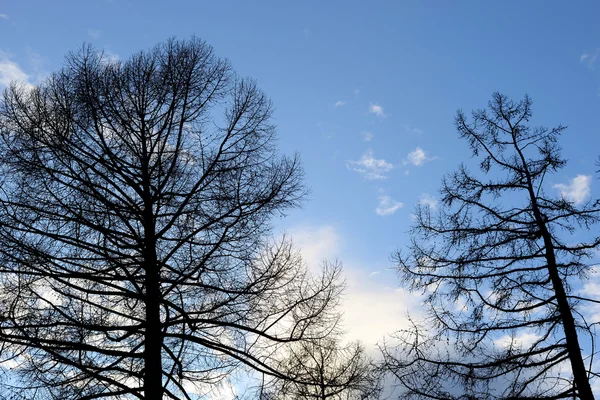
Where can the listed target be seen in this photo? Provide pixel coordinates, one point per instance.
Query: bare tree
(326, 370)
(499, 265)
(135, 208)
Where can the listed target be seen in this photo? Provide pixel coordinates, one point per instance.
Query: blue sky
(366, 93)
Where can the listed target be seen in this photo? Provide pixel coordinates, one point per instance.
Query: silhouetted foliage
(497, 264)
(135, 208)
(335, 372)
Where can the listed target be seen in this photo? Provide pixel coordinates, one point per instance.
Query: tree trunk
(580, 376)
(153, 334)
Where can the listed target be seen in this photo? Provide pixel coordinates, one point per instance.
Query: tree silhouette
(135, 208)
(498, 265)
(334, 372)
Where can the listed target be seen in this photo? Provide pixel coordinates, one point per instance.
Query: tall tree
(135, 208)
(499, 264)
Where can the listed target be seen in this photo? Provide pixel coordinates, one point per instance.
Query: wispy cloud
(411, 130)
(339, 103)
(367, 136)
(428, 201)
(327, 130)
(356, 93)
(577, 191)
(387, 205)
(370, 167)
(95, 33)
(3, 16)
(111, 57)
(37, 72)
(377, 110)
(418, 157)
(590, 58)
(374, 274)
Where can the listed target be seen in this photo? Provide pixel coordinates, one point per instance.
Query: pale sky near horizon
(366, 93)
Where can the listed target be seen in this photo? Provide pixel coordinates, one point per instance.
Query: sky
(366, 93)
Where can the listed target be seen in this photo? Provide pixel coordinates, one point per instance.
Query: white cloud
(374, 274)
(577, 191)
(95, 33)
(110, 56)
(590, 58)
(372, 308)
(370, 167)
(590, 290)
(316, 243)
(428, 201)
(339, 103)
(377, 110)
(592, 287)
(367, 136)
(387, 206)
(418, 157)
(4, 16)
(523, 340)
(10, 71)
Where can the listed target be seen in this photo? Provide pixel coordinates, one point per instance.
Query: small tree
(135, 207)
(497, 264)
(326, 370)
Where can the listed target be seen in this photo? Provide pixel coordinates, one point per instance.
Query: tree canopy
(135, 207)
(498, 263)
